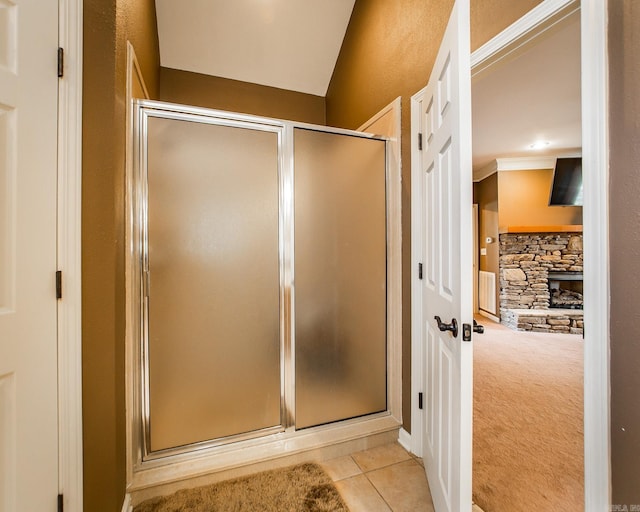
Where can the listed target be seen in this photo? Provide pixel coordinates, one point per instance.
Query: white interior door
(28, 169)
(447, 252)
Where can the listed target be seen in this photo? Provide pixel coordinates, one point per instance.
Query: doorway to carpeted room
(528, 430)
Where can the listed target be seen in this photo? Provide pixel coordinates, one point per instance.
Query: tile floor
(382, 479)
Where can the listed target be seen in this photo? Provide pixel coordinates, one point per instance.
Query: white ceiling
(289, 44)
(532, 96)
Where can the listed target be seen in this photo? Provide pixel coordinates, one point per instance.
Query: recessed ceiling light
(539, 144)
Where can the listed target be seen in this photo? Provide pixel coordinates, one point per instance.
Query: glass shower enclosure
(260, 250)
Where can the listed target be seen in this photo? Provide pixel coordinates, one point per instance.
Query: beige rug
(301, 488)
(528, 421)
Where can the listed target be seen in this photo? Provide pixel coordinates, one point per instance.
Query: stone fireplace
(541, 281)
(565, 290)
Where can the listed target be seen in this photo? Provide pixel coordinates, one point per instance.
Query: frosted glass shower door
(340, 277)
(214, 344)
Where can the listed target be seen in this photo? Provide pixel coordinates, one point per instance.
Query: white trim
(69, 252)
(488, 315)
(526, 163)
(126, 504)
(595, 169)
(404, 438)
(595, 160)
(538, 19)
(133, 448)
(394, 230)
(486, 171)
(417, 352)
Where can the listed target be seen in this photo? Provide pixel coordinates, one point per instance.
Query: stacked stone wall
(526, 261)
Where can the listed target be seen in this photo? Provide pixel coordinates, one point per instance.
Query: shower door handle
(453, 326)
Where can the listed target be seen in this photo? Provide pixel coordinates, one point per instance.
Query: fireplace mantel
(565, 228)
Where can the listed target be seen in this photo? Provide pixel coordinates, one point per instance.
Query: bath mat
(300, 488)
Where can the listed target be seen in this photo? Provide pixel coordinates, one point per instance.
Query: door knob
(453, 326)
(478, 328)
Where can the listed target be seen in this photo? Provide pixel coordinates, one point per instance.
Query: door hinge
(60, 62)
(419, 400)
(420, 141)
(60, 503)
(419, 270)
(58, 284)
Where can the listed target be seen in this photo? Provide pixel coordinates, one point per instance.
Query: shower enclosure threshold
(289, 447)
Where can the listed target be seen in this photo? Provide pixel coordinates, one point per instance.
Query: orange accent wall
(524, 201)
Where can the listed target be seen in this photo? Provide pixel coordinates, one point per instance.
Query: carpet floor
(301, 488)
(528, 421)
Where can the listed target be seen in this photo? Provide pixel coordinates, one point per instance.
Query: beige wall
(624, 224)
(220, 93)
(107, 26)
(388, 51)
(485, 194)
(524, 201)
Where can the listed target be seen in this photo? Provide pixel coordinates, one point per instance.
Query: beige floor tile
(476, 508)
(360, 495)
(341, 468)
(380, 457)
(403, 486)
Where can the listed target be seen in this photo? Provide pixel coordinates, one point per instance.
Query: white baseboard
(126, 505)
(489, 315)
(404, 438)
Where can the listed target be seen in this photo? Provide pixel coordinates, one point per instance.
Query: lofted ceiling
(289, 44)
(533, 95)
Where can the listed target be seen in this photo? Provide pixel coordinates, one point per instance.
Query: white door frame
(69, 256)
(595, 158)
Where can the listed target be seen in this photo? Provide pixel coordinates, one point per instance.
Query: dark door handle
(478, 328)
(453, 326)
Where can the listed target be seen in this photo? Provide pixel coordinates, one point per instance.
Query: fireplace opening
(565, 290)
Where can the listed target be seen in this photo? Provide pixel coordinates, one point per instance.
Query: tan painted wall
(107, 26)
(485, 194)
(189, 88)
(489, 17)
(388, 51)
(624, 223)
(524, 201)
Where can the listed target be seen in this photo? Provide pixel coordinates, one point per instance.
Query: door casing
(69, 253)
(595, 155)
